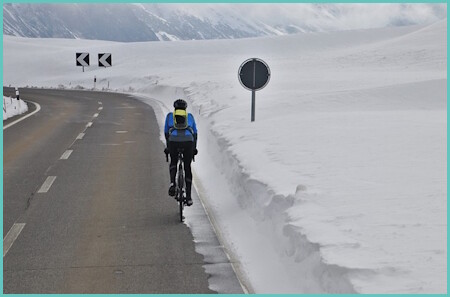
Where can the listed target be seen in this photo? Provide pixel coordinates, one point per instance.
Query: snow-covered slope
(341, 183)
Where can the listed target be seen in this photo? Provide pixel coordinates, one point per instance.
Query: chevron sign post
(82, 59)
(104, 60)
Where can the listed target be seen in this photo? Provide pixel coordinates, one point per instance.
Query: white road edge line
(95, 115)
(12, 235)
(89, 125)
(80, 136)
(212, 221)
(66, 155)
(38, 107)
(47, 184)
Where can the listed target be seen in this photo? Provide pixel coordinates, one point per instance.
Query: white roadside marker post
(17, 97)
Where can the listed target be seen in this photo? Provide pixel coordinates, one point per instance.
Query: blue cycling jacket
(172, 134)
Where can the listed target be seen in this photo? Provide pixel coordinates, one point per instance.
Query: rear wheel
(180, 202)
(180, 192)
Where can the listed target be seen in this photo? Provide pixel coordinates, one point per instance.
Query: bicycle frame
(180, 184)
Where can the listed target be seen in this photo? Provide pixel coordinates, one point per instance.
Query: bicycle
(180, 190)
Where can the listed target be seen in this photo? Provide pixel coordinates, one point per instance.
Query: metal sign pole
(253, 105)
(253, 91)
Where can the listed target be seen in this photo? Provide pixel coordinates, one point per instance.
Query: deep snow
(339, 186)
(12, 107)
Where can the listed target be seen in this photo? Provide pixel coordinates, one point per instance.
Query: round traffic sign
(254, 74)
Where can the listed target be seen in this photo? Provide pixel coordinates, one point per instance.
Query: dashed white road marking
(12, 235)
(95, 115)
(66, 155)
(100, 108)
(89, 125)
(47, 184)
(99, 102)
(129, 141)
(80, 136)
(38, 107)
(121, 132)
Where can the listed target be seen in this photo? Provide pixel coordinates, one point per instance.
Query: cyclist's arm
(166, 130)
(194, 128)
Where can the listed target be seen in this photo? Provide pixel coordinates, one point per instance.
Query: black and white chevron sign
(82, 59)
(104, 60)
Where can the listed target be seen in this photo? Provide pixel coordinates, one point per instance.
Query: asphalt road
(100, 220)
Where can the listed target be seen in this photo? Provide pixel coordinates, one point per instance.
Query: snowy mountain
(152, 22)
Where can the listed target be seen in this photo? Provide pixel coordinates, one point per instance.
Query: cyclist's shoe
(172, 189)
(189, 201)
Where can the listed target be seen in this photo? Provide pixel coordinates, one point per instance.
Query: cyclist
(180, 131)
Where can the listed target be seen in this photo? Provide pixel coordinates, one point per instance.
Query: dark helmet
(180, 104)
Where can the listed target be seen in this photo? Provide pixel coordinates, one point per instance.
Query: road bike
(180, 184)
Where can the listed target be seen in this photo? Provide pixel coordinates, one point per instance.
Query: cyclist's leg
(188, 154)
(173, 166)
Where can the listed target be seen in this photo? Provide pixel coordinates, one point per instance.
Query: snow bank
(12, 107)
(365, 156)
(340, 184)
